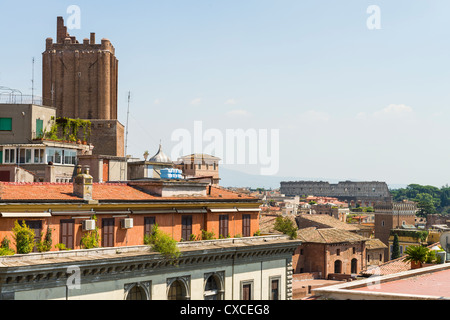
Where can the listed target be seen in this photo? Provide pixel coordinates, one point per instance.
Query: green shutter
(39, 128)
(5, 124)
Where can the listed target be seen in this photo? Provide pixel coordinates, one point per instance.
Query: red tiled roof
(101, 191)
(390, 267)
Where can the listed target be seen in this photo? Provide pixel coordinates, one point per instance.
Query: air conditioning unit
(127, 223)
(88, 225)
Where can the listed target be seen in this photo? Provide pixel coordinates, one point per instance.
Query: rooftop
(324, 220)
(17, 192)
(328, 236)
(124, 253)
(429, 283)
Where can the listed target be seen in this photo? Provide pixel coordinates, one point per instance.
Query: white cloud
(238, 113)
(394, 110)
(313, 115)
(230, 101)
(157, 101)
(196, 101)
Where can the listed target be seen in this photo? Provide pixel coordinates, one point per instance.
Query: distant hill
(231, 178)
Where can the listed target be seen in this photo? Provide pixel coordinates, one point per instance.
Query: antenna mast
(126, 134)
(32, 82)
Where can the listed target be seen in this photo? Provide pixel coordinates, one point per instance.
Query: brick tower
(81, 81)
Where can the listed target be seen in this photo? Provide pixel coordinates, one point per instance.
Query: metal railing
(15, 98)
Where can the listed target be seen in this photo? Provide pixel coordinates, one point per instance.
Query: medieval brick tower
(81, 81)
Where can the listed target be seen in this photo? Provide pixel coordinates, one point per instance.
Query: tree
(286, 226)
(425, 204)
(395, 248)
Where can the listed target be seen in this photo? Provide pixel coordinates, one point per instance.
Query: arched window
(177, 291)
(212, 288)
(354, 266)
(137, 293)
(338, 266)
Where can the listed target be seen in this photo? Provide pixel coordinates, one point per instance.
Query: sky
(337, 99)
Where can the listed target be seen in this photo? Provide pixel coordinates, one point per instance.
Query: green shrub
(45, 245)
(208, 235)
(23, 237)
(61, 247)
(5, 249)
(91, 239)
(164, 244)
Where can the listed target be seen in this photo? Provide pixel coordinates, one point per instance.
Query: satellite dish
(445, 241)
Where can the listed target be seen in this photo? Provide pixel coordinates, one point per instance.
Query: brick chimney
(82, 184)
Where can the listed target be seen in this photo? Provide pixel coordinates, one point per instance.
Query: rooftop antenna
(126, 134)
(32, 82)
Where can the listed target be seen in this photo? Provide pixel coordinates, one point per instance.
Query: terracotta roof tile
(101, 191)
(328, 235)
(390, 267)
(324, 221)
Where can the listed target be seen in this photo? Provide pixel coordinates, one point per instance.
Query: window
(27, 155)
(354, 266)
(10, 155)
(39, 155)
(67, 233)
(5, 124)
(354, 250)
(136, 293)
(108, 232)
(338, 266)
(39, 127)
(223, 226)
(246, 218)
(275, 293)
(246, 290)
(382, 223)
(149, 222)
(338, 252)
(21, 155)
(70, 157)
(212, 288)
(186, 227)
(178, 289)
(60, 156)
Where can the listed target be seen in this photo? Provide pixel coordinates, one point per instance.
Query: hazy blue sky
(349, 102)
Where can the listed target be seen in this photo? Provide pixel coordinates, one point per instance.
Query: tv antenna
(126, 133)
(32, 81)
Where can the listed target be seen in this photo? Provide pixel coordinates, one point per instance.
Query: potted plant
(417, 256)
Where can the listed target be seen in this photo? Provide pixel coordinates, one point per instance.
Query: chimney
(61, 30)
(92, 37)
(82, 184)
